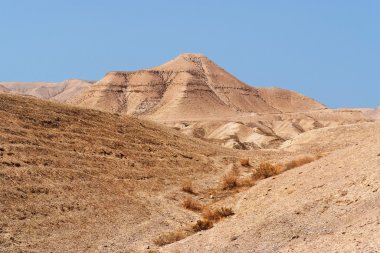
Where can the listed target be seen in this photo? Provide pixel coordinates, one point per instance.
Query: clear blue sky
(326, 49)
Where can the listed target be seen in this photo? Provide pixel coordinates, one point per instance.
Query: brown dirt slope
(188, 87)
(78, 180)
(330, 205)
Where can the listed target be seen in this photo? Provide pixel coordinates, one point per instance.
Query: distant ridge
(190, 86)
(60, 91)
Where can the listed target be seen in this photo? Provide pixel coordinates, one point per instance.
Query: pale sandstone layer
(189, 87)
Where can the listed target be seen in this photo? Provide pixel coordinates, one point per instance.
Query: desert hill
(81, 180)
(194, 95)
(76, 180)
(329, 205)
(373, 113)
(61, 91)
(189, 87)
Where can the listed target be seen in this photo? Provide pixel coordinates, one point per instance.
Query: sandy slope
(330, 205)
(54, 91)
(79, 180)
(75, 180)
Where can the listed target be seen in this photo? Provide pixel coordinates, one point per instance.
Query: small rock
(295, 237)
(211, 196)
(233, 238)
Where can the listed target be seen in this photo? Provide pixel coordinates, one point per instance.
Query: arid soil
(82, 180)
(330, 205)
(75, 180)
(136, 162)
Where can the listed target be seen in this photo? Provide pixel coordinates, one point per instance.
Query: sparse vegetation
(215, 215)
(230, 180)
(192, 204)
(246, 182)
(266, 169)
(209, 217)
(169, 237)
(187, 186)
(299, 162)
(245, 162)
(202, 225)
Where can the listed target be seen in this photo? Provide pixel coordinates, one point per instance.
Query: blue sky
(326, 49)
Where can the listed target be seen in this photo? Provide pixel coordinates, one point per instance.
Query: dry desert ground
(184, 157)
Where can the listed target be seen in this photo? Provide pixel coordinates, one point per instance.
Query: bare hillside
(194, 95)
(80, 180)
(75, 180)
(189, 87)
(61, 92)
(330, 205)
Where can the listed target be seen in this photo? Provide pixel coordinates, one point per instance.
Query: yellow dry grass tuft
(245, 162)
(202, 225)
(246, 182)
(169, 237)
(187, 186)
(230, 180)
(299, 162)
(192, 204)
(266, 169)
(215, 215)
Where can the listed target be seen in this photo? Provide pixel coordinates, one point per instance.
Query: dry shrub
(192, 204)
(245, 162)
(230, 180)
(299, 162)
(266, 170)
(216, 214)
(202, 225)
(187, 186)
(225, 212)
(169, 237)
(246, 182)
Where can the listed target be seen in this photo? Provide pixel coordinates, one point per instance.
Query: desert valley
(184, 157)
